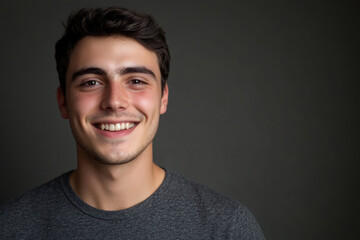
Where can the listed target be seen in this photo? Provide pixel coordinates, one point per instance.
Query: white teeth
(117, 126)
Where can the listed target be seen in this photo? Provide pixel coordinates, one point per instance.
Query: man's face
(113, 98)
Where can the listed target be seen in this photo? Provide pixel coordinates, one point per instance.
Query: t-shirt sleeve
(245, 226)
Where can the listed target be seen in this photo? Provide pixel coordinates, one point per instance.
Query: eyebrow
(141, 69)
(122, 71)
(91, 70)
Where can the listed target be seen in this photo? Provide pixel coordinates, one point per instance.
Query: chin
(115, 158)
(114, 162)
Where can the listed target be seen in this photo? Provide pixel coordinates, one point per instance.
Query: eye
(137, 82)
(90, 83)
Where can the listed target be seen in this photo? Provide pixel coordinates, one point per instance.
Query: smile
(113, 127)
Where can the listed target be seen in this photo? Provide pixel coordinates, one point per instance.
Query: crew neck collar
(133, 212)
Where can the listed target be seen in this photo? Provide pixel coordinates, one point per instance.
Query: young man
(113, 66)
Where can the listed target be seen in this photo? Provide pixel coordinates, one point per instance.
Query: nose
(115, 97)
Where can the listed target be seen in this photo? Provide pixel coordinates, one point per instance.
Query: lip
(114, 134)
(113, 121)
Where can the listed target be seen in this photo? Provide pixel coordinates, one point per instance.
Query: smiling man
(113, 66)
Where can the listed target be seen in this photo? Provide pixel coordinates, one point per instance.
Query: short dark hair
(112, 21)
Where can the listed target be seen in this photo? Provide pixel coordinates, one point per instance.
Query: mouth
(115, 127)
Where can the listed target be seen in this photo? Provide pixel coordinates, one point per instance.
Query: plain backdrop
(264, 105)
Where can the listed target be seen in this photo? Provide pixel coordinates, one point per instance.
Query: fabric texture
(178, 209)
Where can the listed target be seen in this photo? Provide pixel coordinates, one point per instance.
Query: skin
(113, 80)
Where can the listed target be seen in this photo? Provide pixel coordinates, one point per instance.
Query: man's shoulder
(188, 190)
(212, 208)
(26, 214)
(32, 201)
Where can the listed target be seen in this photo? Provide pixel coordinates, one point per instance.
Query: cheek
(147, 102)
(81, 104)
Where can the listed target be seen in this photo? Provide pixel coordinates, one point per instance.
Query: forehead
(111, 53)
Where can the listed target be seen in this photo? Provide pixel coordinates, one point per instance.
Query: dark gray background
(264, 105)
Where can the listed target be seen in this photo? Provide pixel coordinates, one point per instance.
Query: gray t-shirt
(178, 209)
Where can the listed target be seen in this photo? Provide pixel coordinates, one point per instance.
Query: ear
(164, 99)
(62, 103)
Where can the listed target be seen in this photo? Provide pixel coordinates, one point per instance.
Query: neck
(116, 187)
